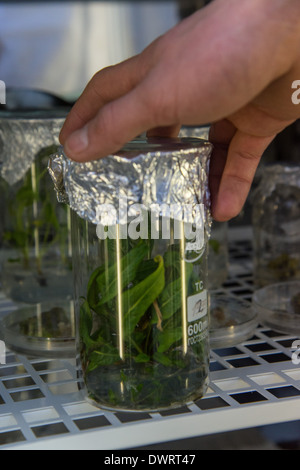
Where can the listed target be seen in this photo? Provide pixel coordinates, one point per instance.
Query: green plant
(284, 267)
(132, 329)
(32, 215)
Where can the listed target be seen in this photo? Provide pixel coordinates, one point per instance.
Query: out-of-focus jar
(276, 225)
(36, 234)
(218, 258)
(200, 132)
(140, 272)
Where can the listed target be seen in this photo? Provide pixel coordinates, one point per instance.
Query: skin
(231, 64)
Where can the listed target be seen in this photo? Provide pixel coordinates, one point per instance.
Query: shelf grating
(252, 383)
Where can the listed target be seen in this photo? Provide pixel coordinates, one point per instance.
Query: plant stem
(159, 315)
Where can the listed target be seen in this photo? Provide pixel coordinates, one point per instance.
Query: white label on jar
(197, 328)
(197, 306)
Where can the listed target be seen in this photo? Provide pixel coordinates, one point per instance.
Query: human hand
(230, 64)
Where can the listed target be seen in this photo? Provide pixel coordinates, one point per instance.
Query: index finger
(106, 85)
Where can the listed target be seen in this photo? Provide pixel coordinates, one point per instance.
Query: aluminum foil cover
(201, 132)
(22, 137)
(146, 171)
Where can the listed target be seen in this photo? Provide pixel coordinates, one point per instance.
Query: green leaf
(168, 337)
(106, 356)
(103, 283)
(145, 268)
(86, 324)
(92, 287)
(49, 215)
(163, 359)
(172, 260)
(17, 237)
(139, 298)
(170, 300)
(25, 196)
(96, 351)
(142, 357)
(215, 245)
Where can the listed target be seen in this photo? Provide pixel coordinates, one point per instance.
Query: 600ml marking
(197, 317)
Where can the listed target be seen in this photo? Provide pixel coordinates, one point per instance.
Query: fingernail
(78, 141)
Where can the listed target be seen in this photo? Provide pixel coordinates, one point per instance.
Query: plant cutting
(36, 234)
(132, 330)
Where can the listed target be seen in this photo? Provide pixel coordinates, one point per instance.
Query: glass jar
(218, 257)
(37, 264)
(276, 225)
(140, 274)
(200, 132)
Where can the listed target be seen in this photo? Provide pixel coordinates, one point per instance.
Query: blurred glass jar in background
(36, 247)
(218, 258)
(2, 223)
(276, 225)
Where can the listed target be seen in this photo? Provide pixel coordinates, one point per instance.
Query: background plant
(153, 368)
(32, 214)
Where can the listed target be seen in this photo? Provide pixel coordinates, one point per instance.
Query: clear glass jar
(218, 244)
(36, 238)
(141, 284)
(2, 211)
(276, 225)
(143, 343)
(218, 257)
(36, 251)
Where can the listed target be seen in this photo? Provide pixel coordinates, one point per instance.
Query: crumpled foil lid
(201, 132)
(146, 171)
(22, 136)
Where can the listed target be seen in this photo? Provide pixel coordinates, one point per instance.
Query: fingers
(220, 135)
(115, 124)
(107, 85)
(243, 157)
(167, 131)
(101, 124)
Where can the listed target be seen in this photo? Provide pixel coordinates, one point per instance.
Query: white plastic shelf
(254, 383)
